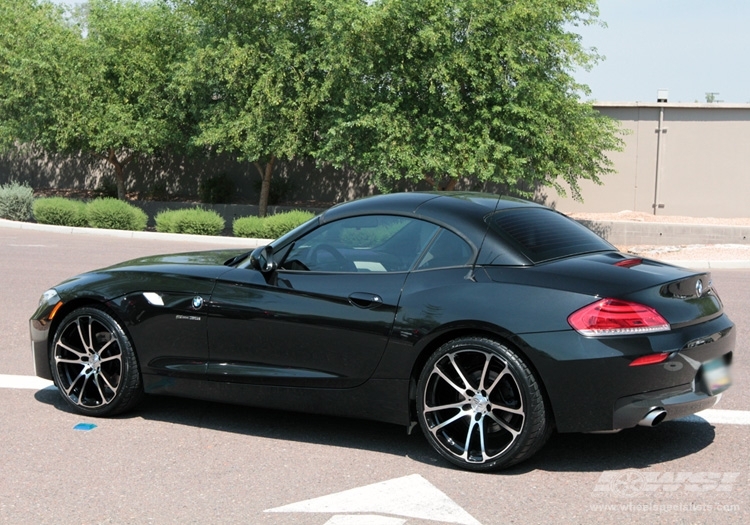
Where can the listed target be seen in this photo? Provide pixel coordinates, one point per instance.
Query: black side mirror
(262, 259)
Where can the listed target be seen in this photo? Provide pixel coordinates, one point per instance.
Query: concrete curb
(231, 241)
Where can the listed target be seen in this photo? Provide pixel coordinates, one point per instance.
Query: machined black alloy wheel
(480, 406)
(93, 363)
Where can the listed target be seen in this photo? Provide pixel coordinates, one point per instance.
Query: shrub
(114, 214)
(270, 227)
(277, 225)
(251, 227)
(60, 211)
(218, 189)
(195, 221)
(16, 201)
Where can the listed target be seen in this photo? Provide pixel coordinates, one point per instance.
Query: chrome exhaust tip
(653, 418)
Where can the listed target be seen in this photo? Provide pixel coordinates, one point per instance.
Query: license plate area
(716, 376)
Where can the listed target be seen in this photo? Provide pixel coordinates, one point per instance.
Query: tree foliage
(257, 74)
(38, 46)
(105, 74)
(444, 91)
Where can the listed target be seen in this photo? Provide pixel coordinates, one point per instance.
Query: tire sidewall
(130, 387)
(535, 414)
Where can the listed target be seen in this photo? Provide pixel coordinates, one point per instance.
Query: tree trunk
(119, 171)
(265, 186)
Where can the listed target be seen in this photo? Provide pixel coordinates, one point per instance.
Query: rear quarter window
(541, 234)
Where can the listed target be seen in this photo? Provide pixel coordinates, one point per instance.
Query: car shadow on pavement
(632, 448)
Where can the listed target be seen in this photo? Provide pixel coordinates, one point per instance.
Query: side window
(374, 243)
(447, 250)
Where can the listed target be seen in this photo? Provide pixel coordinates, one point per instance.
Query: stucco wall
(704, 162)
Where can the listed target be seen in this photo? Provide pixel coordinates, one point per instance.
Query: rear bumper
(592, 387)
(677, 403)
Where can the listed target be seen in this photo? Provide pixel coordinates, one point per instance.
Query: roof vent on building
(662, 95)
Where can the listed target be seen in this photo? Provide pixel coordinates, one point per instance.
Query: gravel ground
(693, 252)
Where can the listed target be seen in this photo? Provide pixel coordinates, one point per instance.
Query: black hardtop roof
(442, 206)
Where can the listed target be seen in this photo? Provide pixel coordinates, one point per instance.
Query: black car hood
(192, 273)
(209, 258)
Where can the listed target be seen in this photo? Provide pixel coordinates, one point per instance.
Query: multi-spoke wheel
(93, 363)
(480, 406)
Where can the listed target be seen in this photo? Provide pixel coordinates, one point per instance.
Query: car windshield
(542, 234)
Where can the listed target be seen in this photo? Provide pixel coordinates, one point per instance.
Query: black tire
(480, 406)
(94, 365)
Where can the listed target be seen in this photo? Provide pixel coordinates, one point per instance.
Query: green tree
(254, 82)
(441, 90)
(101, 80)
(128, 105)
(37, 44)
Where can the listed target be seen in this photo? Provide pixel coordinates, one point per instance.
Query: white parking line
(23, 382)
(721, 417)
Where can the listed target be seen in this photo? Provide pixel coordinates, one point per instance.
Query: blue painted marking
(84, 427)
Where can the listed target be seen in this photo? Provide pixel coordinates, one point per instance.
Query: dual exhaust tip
(653, 417)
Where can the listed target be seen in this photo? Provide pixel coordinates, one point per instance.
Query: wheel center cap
(479, 403)
(96, 362)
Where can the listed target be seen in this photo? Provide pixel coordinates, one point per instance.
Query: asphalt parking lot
(183, 461)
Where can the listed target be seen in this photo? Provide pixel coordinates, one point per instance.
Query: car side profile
(487, 321)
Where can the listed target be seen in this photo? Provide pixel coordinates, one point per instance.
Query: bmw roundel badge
(197, 302)
(699, 288)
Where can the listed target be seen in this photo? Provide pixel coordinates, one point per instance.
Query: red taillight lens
(629, 263)
(616, 317)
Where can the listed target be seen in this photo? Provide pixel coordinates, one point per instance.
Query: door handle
(365, 300)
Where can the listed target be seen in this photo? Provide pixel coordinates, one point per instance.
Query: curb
(123, 234)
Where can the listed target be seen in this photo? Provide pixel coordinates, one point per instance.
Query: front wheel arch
(93, 361)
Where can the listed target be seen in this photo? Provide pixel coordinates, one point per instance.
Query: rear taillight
(617, 317)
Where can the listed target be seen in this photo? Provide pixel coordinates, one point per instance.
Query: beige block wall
(704, 162)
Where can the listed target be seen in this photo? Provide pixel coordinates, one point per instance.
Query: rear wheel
(480, 406)
(94, 365)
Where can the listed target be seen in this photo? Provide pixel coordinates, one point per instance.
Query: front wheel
(480, 406)
(94, 365)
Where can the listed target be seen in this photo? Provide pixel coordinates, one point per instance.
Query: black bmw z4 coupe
(487, 321)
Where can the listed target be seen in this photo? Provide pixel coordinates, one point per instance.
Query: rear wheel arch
(511, 341)
(479, 403)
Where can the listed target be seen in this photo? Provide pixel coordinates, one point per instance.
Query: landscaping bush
(195, 221)
(277, 225)
(270, 227)
(16, 201)
(114, 214)
(218, 189)
(60, 211)
(250, 227)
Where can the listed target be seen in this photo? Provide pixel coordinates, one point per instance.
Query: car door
(324, 316)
